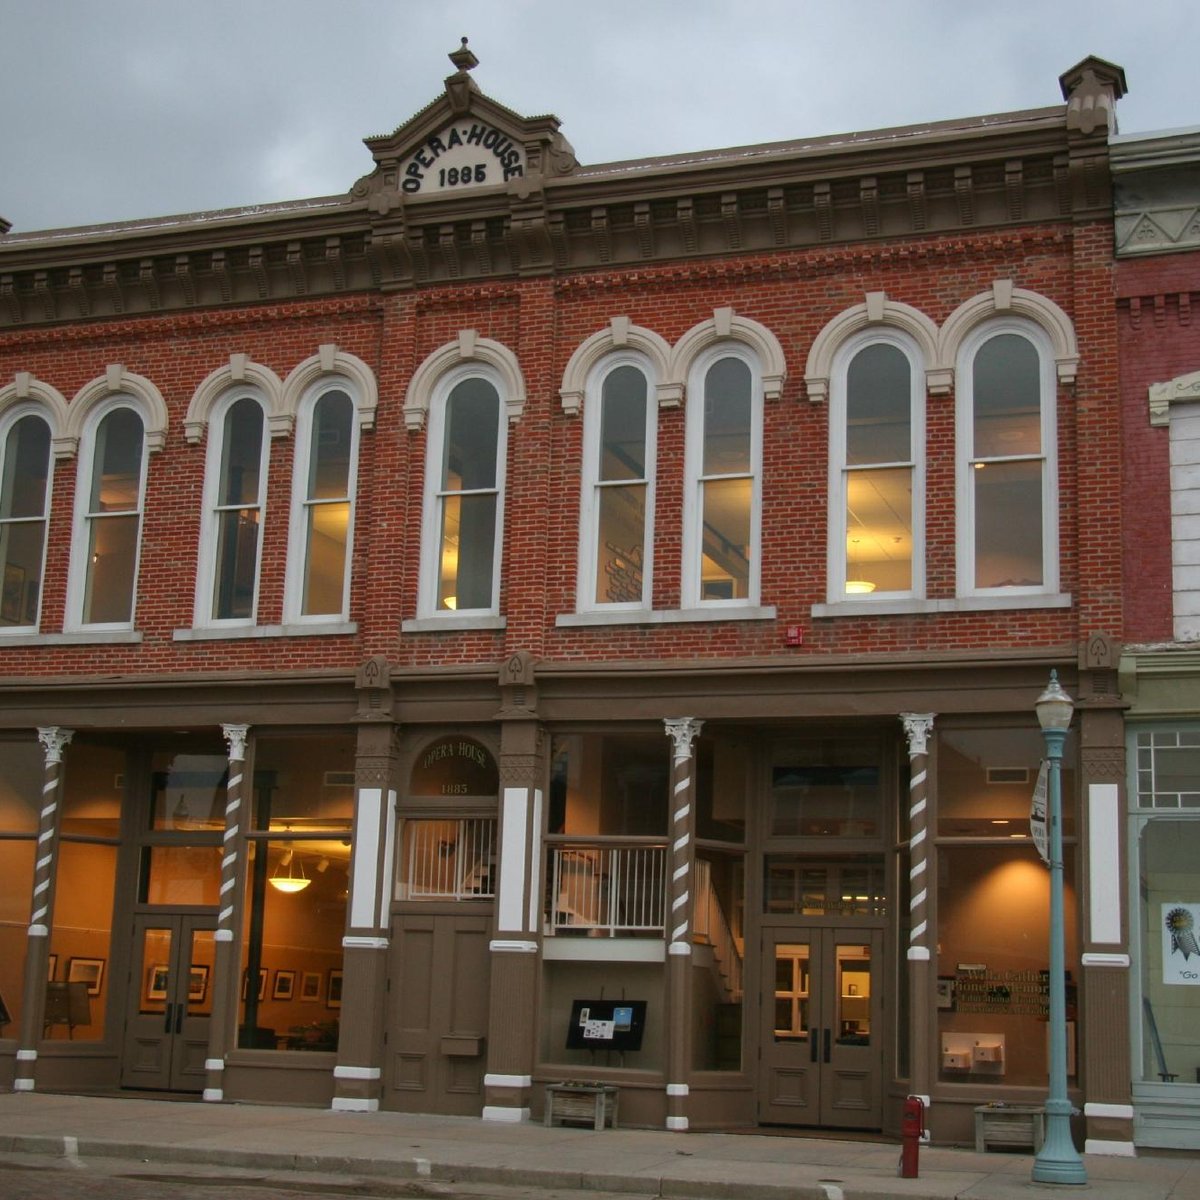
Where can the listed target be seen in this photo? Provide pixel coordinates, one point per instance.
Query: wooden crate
(1009, 1125)
(581, 1103)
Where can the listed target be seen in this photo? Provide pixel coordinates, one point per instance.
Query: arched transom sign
(465, 153)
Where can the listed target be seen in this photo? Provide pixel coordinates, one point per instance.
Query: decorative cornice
(979, 174)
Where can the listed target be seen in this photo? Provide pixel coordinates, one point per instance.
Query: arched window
(234, 507)
(1007, 450)
(617, 503)
(24, 507)
(723, 478)
(108, 516)
(323, 488)
(464, 495)
(876, 546)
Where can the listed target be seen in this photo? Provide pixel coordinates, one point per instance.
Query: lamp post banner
(1181, 952)
(1037, 815)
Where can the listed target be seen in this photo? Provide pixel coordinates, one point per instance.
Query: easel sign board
(606, 1025)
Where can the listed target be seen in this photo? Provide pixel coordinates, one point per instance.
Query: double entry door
(821, 1027)
(170, 1004)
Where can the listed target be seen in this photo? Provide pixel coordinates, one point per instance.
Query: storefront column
(683, 732)
(1104, 1020)
(224, 966)
(54, 741)
(358, 1076)
(515, 948)
(917, 728)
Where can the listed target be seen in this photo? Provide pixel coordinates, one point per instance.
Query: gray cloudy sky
(116, 109)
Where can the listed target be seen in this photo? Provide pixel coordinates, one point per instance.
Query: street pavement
(446, 1150)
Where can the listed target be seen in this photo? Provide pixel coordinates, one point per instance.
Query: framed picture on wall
(156, 982)
(52, 966)
(262, 984)
(86, 970)
(945, 992)
(333, 994)
(285, 985)
(197, 983)
(12, 593)
(310, 985)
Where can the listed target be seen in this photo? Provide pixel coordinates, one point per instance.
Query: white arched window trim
(429, 616)
(468, 348)
(32, 395)
(1005, 300)
(693, 539)
(877, 311)
(297, 560)
(240, 371)
(901, 338)
(89, 407)
(619, 336)
(964, 492)
(330, 362)
(588, 514)
(13, 409)
(724, 327)
(207, 559)
(145, 397)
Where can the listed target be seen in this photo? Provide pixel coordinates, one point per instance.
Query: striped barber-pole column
(917, 728)
(682, 732)
(54, 741)
(223, 966)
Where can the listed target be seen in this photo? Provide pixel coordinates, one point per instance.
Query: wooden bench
(1009, 1125)
(588, 1103)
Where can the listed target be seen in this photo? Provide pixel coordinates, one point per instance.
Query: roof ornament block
(1091, 89)
(460, 85)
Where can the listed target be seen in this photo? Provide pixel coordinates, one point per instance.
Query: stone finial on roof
(463, 58)
(1091, 89)
(460, 85)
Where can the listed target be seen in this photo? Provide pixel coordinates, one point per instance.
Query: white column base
(216, 1095)
(354, 1104)
(677, 1124)
(22, 1085)
(1110, 1149)
(500, 1112)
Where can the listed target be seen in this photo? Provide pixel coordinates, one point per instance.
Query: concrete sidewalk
(736, 1166)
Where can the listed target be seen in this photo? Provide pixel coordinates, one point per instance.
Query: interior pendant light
(295, 880)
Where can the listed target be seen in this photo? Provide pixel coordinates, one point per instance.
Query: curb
(443, 1172)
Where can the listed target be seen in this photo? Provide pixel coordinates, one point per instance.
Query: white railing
(606, 890)
(448, 860)
(712, 928)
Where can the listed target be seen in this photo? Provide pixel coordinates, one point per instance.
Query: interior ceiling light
(295, 880)
(859, 587)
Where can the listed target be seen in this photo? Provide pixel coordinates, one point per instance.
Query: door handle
(167, 1022)
(826, 1032)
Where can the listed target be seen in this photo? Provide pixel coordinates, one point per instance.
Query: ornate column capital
(683, 731)
(235, 739)
(54, 741)
(917, 728)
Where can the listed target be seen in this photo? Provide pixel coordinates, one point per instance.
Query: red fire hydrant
(912, 1128)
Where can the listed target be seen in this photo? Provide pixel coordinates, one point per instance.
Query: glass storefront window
(94, 790)
(180, 875)
(16, 868)
(609, 785)
(993, 954)
(295, 906)
(291, 990)
(827, 787)
(189, 790)
(80, 941)
(1170, 951)
(985, 781)
(304, 782)
(849, 887)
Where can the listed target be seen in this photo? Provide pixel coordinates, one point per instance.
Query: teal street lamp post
(1057, 1161)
